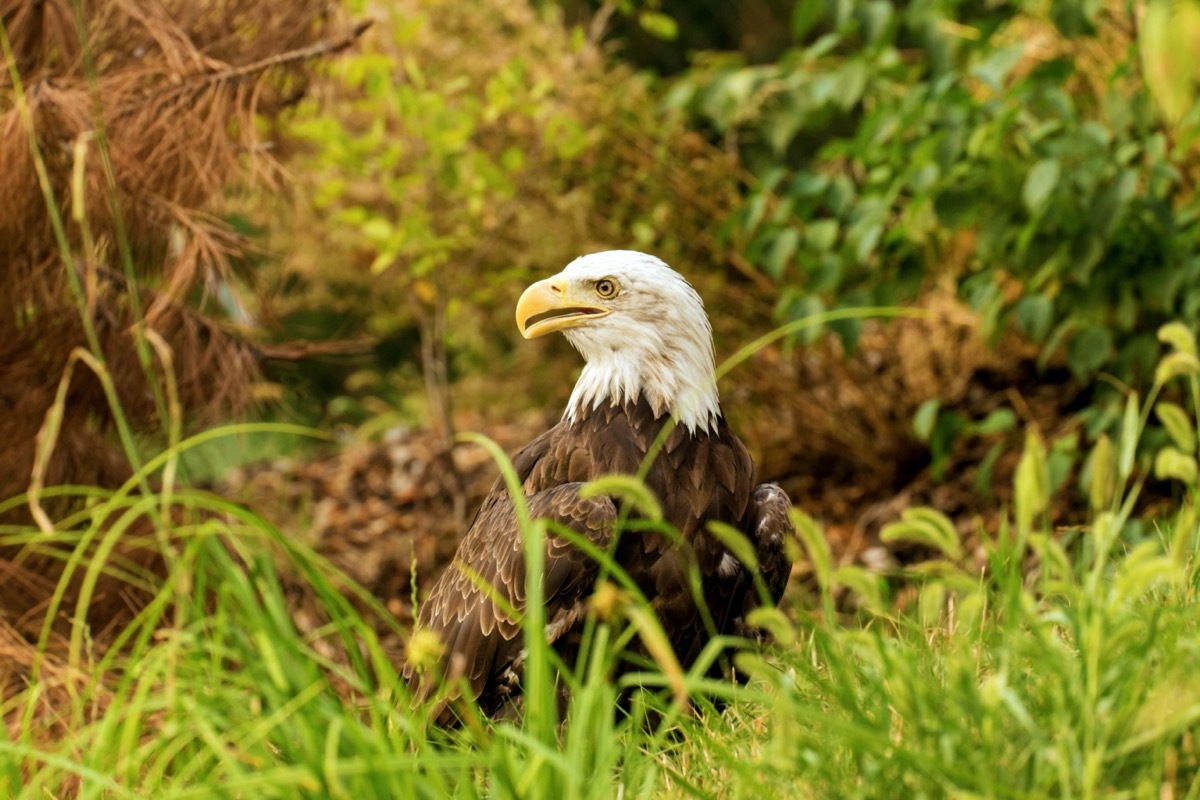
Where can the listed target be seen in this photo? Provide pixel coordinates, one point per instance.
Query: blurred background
(323, 213)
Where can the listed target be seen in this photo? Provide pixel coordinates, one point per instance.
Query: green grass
(1050, 674)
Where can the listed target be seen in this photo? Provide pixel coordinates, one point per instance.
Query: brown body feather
(697, 477)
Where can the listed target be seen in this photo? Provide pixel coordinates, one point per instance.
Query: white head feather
(657, 342)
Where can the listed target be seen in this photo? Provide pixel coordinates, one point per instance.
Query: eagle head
(640, 327)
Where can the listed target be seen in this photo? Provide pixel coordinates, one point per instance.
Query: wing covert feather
(467, 606)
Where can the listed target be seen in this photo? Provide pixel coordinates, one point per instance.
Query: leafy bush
(1019, 156)
(454, 156)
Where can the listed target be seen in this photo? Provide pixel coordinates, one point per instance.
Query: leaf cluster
(1014, 148)
(458, 155)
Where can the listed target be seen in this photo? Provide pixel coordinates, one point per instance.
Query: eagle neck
(683, 388)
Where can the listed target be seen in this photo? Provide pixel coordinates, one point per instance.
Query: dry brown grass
(118, 130)
(144, 118)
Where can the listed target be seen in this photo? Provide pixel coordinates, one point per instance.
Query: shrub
(1019, 154)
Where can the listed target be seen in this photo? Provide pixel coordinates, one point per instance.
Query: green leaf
(983, 478)
(999, 421)
(1167, 35)
(377, 229)
(864, 236)
(1177, 424)
(629, 490)
(925, 526)
(643, 233)
(867, 586)
(735, 542)
(1073, 18)
(781, 126)
(1109, 205)
(941, 444)
(821, 234)
(1035, 314)
(817, 546)
(779, 256)
(755, 210)
(1179, 336)
(809, 184)
(850, 81)
(958, 208)
(925, 418)
(931, 602)
(1101, 470)
(1032, 481)
(1040, 183)
(659, 25)
(1089, 350)
(1142, 570)
(1130, 424)
(1169, 463)
(1059, 465)
(806, 14)
(382, 261)
(1055, 565)
(774, 621)
(804, 306)
(840, 197)
(823, 274)
(1175, 365)
(994, 70)
(1183, 540)
(512, 159)
(876, 17)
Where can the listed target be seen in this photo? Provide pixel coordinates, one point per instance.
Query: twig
(599, 23)
(324, 47)
(294, 351)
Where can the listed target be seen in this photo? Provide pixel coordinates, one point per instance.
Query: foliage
(1066, 667)
(1018, 155)
(118, 126)
(452, 158)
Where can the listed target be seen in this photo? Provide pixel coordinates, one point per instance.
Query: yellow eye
(606, 287)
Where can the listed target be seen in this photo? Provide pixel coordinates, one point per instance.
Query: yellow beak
(550, 305)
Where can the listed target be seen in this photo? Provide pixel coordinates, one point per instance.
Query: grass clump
(1065, 668)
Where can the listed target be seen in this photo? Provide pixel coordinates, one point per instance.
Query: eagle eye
(606, 287)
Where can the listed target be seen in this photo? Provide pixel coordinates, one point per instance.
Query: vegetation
(1034, 639)
(448, 161)
(1018, 154)
(1062, 669)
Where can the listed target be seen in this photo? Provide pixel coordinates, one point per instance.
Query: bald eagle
(647, 341)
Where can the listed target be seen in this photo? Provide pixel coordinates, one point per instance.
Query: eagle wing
(469, 605)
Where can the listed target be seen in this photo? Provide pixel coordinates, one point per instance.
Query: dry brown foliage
(152, 113)
(58, 683)
(125, 123)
